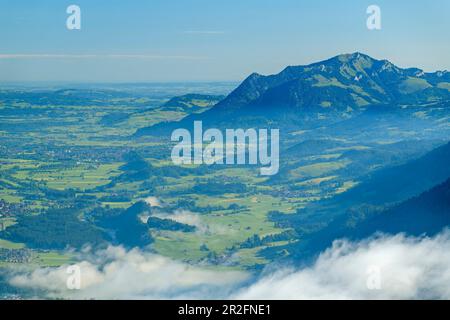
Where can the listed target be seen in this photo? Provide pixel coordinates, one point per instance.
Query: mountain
(337, 87)
(413, 198)
(400, 182)
(385, 187)
(348, 80)
(55, 229)
(428, 213)
(425, 214)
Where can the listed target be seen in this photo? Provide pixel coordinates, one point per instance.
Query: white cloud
(153, 202)
(115, 273)
(186, 217)
(195, 219)
(410, 268)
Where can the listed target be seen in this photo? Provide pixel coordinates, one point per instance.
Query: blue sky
(203, 40)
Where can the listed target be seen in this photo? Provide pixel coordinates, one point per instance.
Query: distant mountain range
(341, 85)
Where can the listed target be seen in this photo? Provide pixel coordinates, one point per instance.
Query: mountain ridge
(413, 198)
(339, 86)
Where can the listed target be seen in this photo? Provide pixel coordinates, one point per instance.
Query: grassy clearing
(347, 185)
(317, 169)
(82, 177)
(5, 244)
(221, 230)
(10, 196)
(52, 259)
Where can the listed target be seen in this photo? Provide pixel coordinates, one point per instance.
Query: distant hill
(337, 87)
(127, 227)
(191, 102)
(65, 97)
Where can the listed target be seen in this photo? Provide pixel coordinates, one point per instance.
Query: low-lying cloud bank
(383, 268)
(394, 267)
(115, 273)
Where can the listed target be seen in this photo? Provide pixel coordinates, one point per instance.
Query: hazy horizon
(187, 81)
(177, 41)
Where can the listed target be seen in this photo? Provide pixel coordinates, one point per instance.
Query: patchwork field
(71, 169)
